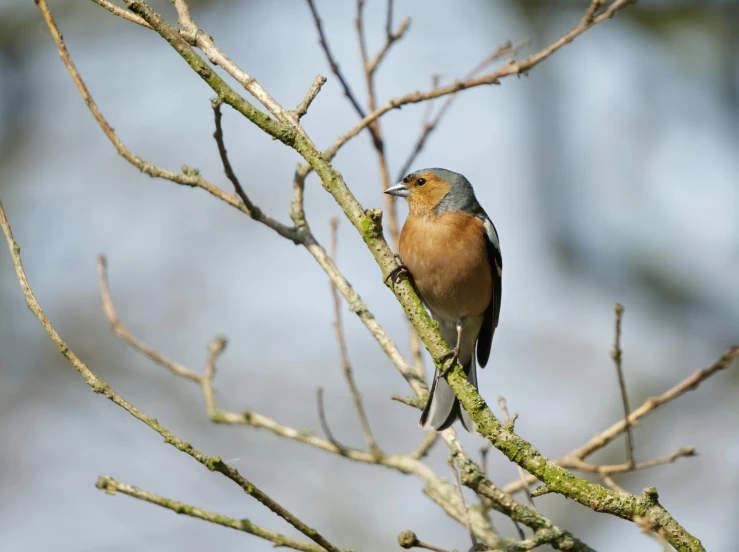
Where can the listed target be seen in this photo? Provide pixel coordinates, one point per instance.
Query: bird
(451, 250)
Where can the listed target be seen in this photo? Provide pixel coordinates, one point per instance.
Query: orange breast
(447, 257)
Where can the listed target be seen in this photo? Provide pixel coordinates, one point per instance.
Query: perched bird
(451, 250)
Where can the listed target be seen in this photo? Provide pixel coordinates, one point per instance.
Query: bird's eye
(420, 182)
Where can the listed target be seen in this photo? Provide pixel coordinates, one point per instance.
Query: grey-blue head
(438, 189)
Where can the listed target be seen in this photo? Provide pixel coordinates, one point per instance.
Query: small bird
(451, 250)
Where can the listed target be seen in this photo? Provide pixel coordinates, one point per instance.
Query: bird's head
(435, 190)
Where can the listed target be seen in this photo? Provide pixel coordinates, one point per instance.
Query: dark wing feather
(490, 321)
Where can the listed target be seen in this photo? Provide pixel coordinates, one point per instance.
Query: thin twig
(425, 445)
(313, 91)
(324, 422)
(428, 125)
(617, 356)
(332, 62)
(227, 168)
(215, 348)
(610, 469)
(213, 463)
(460, 495)
(111, 486)
(607, 436)
(348, 375)
(510, 421)
(120, 330)
(611, 484)
(120, 12)
(540, 538)
(408, 539)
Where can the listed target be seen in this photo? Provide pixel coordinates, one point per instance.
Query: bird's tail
(443, 408)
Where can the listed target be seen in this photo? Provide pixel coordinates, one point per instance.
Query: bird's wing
(490, 321)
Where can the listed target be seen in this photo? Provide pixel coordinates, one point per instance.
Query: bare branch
(510, 422)
(425, 445)
(120, 330)
(358, 406)
(213, 463)
(215, 348)
(429, 125)
(227, 168)
(372, 65)
(324, 422)
(626, 467)
(408, 539)
(514, 68)
(120, 12)
(540, 538)
(460, 495)
(332, 62)
(616, 355)
(313, 91)
(111, 486)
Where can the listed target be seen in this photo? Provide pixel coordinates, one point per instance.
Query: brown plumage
(450, 248)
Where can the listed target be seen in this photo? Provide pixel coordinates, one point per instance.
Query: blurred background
(611, 173)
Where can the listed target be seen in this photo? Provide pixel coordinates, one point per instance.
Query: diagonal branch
(111, 486)
(120, 330)
(120, 12)
(213, 463)
(313, 91)
(227, 168)
(429, 125)
(332, 61)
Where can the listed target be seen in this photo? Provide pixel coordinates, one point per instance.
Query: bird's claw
(396, 273)
(454, 355)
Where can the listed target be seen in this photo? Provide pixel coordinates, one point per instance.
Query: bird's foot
(398, 272)
(454, 355)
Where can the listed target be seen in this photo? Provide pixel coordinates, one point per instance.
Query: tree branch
(111, 486)
(332, 62)
(313, 91)
(617, 357)
(120, 12)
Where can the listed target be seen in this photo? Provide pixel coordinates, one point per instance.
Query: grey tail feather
(443, 408)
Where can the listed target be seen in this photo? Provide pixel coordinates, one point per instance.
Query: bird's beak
(400, 190)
